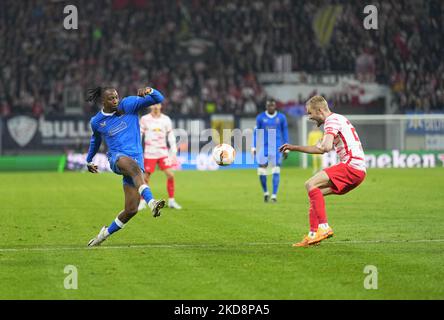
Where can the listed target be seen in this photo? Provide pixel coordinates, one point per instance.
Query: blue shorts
(114, 157)
(264, 158)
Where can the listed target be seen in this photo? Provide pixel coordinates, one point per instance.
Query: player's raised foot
(155, 206)
(308, 241)
(266, 197)
(173, 204)
(103, 234)
(273, 198)
(142, 205)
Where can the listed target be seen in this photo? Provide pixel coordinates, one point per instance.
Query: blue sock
(145, 192)
(263, 180)
(115, 226)
(276, 178)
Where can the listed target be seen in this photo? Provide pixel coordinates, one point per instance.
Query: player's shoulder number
(353, 130)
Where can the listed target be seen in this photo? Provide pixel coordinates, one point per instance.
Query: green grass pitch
(226, 243)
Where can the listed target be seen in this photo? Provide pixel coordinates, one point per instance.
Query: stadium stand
(206, 55)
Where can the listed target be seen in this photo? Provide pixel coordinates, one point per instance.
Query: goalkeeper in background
(270, 132)
(314, 137)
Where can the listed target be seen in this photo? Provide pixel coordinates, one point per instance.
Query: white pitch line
(207, 245)
(146, 246)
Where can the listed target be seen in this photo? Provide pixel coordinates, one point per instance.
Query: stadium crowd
(205, 55)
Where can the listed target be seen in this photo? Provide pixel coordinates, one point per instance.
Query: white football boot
(155, 206)
(103, 234)
(142, 205)
(173, 204)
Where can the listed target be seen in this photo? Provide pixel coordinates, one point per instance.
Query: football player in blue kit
(118, 124)
(271, 131)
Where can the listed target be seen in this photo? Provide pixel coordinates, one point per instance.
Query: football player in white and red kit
(157, 129)
(339, 134)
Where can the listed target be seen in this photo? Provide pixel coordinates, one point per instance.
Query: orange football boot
(307, 241)
(325, 233)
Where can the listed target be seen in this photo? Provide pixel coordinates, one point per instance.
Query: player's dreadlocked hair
(94, 94)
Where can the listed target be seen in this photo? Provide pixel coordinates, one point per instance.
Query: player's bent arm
(152, 96)
(94, 145)
(132, 104)
(325, 146)
(304, 149)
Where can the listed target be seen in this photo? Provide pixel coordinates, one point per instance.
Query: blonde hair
(317, 103)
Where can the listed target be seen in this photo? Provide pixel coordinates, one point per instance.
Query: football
(224, 154)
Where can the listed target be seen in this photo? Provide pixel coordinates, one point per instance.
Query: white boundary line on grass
(221, 246)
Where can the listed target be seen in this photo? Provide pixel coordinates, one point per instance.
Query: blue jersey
(121, 129)
(271, 131)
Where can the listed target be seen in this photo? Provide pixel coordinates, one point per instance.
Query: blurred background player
(314, 137)
(118, 123)
(338, 179)
(157, 130)
(271, 132)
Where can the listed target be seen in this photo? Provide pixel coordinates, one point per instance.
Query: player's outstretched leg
(129, 167)
(154, 205)
(131, 200)
(276, 178)
(103, 234)
(142, 204)
(262, 173)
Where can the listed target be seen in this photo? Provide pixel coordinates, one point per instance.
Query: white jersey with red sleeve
(346, 141)
(157, 130)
